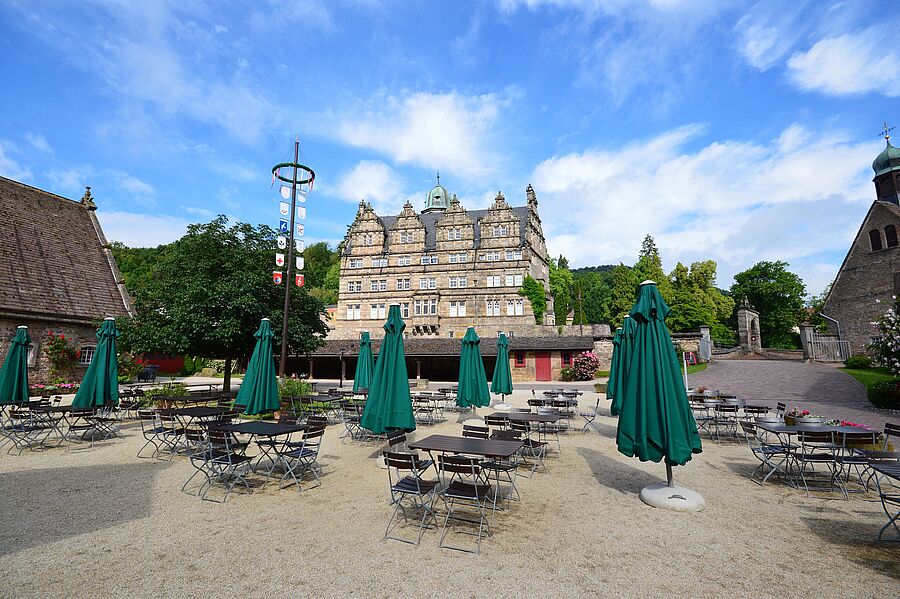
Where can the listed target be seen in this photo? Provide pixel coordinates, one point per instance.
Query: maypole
(301, 175)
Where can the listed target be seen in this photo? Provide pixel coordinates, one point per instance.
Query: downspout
(825, 316)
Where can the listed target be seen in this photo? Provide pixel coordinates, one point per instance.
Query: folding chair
(298, 460)
(496, 423)
(891, 470)
(150, 430)
(475, 432)
(530, 447)
(819, 447)
(412, 491)
(467, 497)
(772, 457)
(547, 430)
(222, 464)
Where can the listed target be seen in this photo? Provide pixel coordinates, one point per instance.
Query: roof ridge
(49, 193)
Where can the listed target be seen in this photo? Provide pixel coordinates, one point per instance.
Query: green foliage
(169, 390)
(534, 291)
(815, 306)
(596, 292)
(61, 353)
(136, 264)
(561, 284)
(649, 267)
(625, 282)
(207, 293)
(290, 387)
(696, 301)
(130, 366)
(566, 374)
(885, 395)
(777, 295)
(858, 362)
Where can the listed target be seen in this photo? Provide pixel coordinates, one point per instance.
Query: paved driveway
(821, 389)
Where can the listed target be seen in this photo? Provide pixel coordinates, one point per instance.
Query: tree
(777, 295)
(562, 262)
(135, 263)
(696, 301)
(561, 284)
(624, 291)
(649, 267)
(208, 291)
(534, 291)
(814, 309)
(318, 258)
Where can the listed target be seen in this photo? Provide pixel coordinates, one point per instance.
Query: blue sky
(737, 131)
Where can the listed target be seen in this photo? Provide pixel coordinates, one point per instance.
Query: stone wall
(38, 364)
(603, 346)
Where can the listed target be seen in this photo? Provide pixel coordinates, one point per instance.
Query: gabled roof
(443, 346)
(53, 263)
(430, 219)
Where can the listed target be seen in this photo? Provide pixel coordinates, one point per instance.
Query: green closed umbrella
(259, 389)
(100, 385)
(655, 419)
(473, 388)
(14, 375)
(365, 363)
(618, 370)
(502, 381)
(389, 406)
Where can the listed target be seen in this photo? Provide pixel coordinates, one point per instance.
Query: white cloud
(375, 182)
(137, 191)
(39, 142)
(450, 132)
(737, 202)
(865, 61)
(141, 230)
(771, 28)
(10, 168)
(69, 181)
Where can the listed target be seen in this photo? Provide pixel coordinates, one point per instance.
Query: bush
(293, 387)
(172, 390)
(566, 374)
(858, 362)
(885, 395)
(130, 366)
(584, 366)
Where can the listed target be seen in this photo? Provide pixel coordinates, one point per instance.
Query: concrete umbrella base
(674, 498)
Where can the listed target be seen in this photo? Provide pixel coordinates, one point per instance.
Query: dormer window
(875, 239)
(405, 237)
(454, 234)
(500, 230)
(367, 239)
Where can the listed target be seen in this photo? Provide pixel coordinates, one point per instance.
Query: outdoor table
(527, 417)
(198, 412)
(890, 470)
(489, 448)
(269, 430)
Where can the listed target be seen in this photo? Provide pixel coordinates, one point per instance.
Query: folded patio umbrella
(655, 418)
(389, 406)
(618, 370)
(365, 363)
(14, 375)
(502, 381)
(473, 388)
(100, 385)
(259, 390)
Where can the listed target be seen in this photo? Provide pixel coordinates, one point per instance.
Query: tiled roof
(52, 261)
(430, 219)
(438, 346)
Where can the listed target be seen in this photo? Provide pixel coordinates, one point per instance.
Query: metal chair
(819, 447)
(412, 491)
(772, 457)
(467, 497)
(302, 459)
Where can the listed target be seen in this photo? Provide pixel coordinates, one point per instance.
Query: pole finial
(439, 177)
(886, 131)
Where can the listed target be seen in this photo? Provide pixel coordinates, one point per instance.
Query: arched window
(875, 239)
(890, 236)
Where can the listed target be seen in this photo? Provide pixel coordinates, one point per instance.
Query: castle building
(447, 267)
(870, 273)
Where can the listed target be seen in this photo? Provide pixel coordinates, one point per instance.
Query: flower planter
(811, 420)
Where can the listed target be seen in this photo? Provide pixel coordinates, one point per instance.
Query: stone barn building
(870, 274)
(57, 273)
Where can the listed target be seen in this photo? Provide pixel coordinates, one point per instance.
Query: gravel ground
(101, 522)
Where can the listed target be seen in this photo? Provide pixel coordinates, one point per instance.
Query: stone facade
(749, 337)
(870, 274)
(447, 267)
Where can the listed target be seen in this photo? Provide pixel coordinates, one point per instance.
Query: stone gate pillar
(705, 344)
(748, 328)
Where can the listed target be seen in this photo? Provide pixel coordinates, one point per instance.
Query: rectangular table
(526, 416)
(793, 429)
(269, 430)
(489, 448)
(198, 412)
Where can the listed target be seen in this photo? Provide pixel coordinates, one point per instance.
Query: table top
(262, 429)
(891, 469)
(197, 412)
(784, 429)
(491, 448)
(527, 417)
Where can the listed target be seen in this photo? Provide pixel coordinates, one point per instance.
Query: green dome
(888, 160)
(438, 197)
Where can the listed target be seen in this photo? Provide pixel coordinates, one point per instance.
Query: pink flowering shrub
(585, 366)
(887, 347)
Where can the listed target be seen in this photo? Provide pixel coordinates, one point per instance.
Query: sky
(729, 130)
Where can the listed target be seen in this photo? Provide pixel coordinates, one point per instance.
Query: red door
(542, 366)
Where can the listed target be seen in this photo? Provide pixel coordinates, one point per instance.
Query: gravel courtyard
(101, 522)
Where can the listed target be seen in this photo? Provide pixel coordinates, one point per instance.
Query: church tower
(887, 173)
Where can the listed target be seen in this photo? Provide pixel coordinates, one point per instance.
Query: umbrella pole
(669, 481)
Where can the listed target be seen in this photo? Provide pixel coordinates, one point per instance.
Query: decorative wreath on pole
(305, 175)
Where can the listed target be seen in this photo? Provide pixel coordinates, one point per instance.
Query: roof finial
(886, 132)
(439, 177)
(87, 199)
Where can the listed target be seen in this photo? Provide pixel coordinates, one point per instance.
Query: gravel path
(819, 388)
(100, 522)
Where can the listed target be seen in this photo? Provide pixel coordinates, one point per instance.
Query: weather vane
(886, 131)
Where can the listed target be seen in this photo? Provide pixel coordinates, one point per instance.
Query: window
(520, 359)
(875, 239)
(379, 285)
(379, 262)
(458, 282)
(515, 307)
(405, 237)
(566, 358)
(404, 309)
(458, 308)
(890, 236)
(426, 307)
(426, 259)
(427, 283)
(353, 312)
(490, 256)
(897, 283)
(404, 261)
(355, 263)
(367, 239)
(513, 280)
(492, 281)
(492, 307)
(513, 254)
(86, 354)
(376, 311)
(454, 234)
(500, 230)
(457, 258)
(402, 284)
(354, 286)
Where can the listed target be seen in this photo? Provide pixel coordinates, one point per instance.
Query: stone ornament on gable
(87, 199)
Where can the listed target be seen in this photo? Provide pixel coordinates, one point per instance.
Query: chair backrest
(521, 427)
(459, 465)
(548, 411)
(863, 437)
(522, 410)
(475, 432)
(401, 461)
(823, 438)
(316, 420)
(395, 438)
(749, 429)
(890, 430)
(509, 435)
(535, 402)
(313, 435)
(496, 421)
(780, 408)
